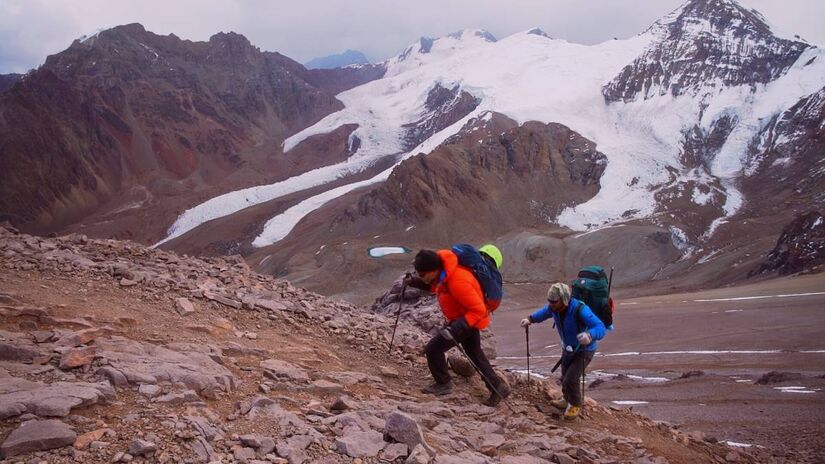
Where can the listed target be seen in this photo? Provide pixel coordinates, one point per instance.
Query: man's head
(427, 264)
(558, 296)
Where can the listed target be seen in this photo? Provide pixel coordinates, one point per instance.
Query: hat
(426, 261)
(559, 291)
(494, 253)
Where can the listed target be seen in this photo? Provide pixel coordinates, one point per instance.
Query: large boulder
(37, 435)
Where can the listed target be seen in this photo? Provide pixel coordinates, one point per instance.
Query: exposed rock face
(801, 246)
(129, 108)
(704, 41)
(492, 175)
(785, 166)
(442, 108)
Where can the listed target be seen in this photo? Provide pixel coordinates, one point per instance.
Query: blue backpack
(485, 271)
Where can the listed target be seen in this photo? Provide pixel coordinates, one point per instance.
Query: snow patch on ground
(378, 252)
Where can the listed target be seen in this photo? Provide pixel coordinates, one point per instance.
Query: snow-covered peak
(427, 50)
(712, 17)
(703, 47)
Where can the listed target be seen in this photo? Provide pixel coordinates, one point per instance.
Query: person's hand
(584, 338)
(525, 322)
(458, 328)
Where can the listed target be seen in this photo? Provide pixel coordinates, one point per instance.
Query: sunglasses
(554, 302)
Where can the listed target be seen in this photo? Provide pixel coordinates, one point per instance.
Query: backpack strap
(577, 313)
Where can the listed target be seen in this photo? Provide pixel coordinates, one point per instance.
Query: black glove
(458, 328)
(410, 280)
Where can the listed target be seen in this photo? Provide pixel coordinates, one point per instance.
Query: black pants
(470, 340)
(571, 376)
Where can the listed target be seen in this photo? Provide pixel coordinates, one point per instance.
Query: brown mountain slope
(129, 110)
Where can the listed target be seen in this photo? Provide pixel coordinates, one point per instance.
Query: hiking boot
(572, 412)
(494, 399)
(438, 389)
(559, 404)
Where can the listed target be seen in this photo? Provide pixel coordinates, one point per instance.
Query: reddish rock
(77, 357)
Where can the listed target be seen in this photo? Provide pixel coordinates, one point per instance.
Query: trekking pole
(486, 380)
(527, 335)
(397, 316)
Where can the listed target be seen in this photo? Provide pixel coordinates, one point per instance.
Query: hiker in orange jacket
(462, 303)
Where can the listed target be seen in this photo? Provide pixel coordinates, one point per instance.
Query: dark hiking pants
(571, 376)
(470, 340)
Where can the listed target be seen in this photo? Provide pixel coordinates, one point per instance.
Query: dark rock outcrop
(801, 246)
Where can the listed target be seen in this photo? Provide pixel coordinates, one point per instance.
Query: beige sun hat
(559, 291)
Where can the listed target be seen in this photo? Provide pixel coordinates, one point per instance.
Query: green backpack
(593, 288)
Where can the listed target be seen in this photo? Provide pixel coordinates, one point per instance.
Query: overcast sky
(30, 30)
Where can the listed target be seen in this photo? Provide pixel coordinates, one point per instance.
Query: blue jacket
(569, 328)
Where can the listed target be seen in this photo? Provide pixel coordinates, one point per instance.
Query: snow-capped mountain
(701, 124)
(348, 57)
(677, 140)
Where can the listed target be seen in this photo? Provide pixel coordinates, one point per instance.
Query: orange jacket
(459, 293)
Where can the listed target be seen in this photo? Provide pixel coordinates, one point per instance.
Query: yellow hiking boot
(572, 412)
(559, 404)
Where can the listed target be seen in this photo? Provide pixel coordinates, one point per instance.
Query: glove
(458, 328)
(584, 338)
(525, 322)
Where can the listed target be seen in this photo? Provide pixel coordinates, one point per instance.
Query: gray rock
(187, 396)
(523, 459)
(357, 444)
(149, 391)
(562, 458)
(418, 455)
(146, 363)
(184, 306)
(14, 352)
(251, 440)
(243, 455)
(141, 447)
(114, 376)
(404, 429)
(465, 457)
(393, 451)
(267, 446)
(203, 451)
(54, 400)
(283, 371)
(342, 404)
(325, 386)
(37, 436)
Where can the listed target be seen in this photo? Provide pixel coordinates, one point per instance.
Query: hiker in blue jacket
(579, 329)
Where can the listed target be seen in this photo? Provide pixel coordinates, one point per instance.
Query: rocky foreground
(112, 352)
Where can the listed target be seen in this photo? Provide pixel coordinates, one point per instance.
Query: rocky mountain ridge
(112, 352)
(126, 119)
